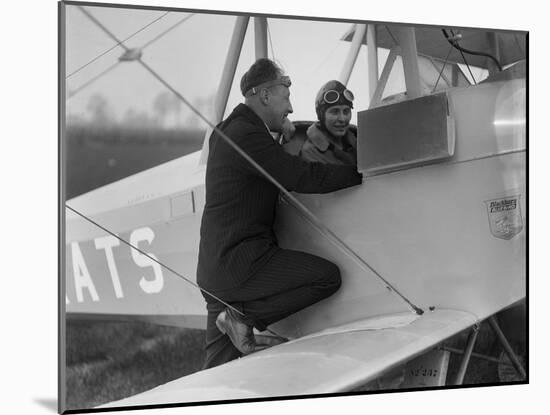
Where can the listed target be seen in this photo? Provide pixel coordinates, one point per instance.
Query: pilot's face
(337, 120)
(279, 107)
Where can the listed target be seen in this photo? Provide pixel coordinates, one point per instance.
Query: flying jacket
(321, 146)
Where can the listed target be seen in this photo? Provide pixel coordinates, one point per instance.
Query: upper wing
(431, 42)
(334, 360)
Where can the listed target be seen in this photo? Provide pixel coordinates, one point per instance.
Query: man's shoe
(240, 334)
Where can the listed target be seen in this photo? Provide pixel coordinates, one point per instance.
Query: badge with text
(505, 218)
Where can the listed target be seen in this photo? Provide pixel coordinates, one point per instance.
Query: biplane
(433, 242)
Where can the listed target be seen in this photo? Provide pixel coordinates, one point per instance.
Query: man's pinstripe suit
(239, 259)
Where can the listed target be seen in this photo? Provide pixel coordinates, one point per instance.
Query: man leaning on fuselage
(239, 259)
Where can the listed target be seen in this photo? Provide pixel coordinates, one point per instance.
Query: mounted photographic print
(269, 207)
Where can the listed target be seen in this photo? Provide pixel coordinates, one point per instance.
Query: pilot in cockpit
(330, 139)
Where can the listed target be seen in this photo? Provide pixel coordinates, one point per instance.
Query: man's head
(266, 91)
(333, 105)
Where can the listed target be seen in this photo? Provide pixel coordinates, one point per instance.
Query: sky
(191, 59)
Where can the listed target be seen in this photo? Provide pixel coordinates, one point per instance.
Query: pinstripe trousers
(287, 283)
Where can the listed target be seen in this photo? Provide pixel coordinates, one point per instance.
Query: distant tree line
(96, 155)
(167, 111)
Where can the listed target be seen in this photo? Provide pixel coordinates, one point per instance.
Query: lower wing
(334, 360)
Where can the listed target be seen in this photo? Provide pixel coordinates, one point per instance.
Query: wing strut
(358, 36)
(468, 352)
(260, 34)
(407, 41)
(228, 74)
(381, 84)
(372, 53)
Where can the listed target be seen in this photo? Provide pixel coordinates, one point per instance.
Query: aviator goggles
(332, 96)
(283, 80)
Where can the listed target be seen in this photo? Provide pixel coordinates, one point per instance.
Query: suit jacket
(237, 236)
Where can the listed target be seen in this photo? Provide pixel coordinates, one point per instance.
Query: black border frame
(61, 210)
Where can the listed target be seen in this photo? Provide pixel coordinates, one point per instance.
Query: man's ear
(264, 96)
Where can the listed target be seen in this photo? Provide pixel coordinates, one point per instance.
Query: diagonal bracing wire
(167, 31)
(442, 69)
(468, 66)
(270, 41)
(119, 42)
(395, 42)
(173, 271)
(100, 75)
(323, 61)
(143, 253)
(318, 225)
(91, 81)
(461, 52)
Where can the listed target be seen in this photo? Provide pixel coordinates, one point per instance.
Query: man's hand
(288, 130)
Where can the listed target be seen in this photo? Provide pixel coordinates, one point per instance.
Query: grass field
(107, 361)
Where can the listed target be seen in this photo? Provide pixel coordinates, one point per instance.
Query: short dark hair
(263, 70)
